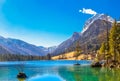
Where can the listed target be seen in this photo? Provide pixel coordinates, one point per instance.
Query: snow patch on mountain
(94, 18)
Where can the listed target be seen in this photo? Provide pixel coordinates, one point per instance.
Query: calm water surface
(56, 71)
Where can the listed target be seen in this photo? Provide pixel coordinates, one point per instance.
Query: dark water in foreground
(57, 71)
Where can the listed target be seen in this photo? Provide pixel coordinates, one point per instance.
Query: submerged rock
(77, 64)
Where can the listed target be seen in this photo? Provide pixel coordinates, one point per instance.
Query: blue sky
(50, 22)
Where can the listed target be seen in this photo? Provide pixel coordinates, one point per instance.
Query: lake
(56, 71)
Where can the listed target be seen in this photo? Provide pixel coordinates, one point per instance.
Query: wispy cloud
(88, 11)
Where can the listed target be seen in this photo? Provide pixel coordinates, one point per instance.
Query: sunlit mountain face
(90, 36)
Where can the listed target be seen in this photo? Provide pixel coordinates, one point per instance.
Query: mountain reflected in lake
(57, 71)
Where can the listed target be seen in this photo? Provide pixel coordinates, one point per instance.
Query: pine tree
(102, 49)
(114, 40)
(118, 40)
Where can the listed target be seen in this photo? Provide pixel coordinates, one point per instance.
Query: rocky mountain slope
(93, 33)
(62, 48)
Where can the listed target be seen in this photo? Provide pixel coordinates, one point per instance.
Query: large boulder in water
(21, 75)
(96, 64)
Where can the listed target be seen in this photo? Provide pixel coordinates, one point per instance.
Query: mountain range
(91, 37)
(16, 46)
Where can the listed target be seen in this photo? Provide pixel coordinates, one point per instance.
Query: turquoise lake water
(57, 71)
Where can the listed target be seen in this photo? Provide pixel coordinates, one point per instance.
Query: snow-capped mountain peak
(94, 18)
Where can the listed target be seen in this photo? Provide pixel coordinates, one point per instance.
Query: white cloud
(88, 11)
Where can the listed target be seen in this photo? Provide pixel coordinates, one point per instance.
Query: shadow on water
(108, 74)
(70, 73)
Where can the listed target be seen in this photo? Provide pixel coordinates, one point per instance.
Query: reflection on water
(46, 71)
(21, 79)
(46, 78)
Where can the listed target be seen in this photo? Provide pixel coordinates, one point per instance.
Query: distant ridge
(16, 46)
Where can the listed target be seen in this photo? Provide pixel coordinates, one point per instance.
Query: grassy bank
(71, 56)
